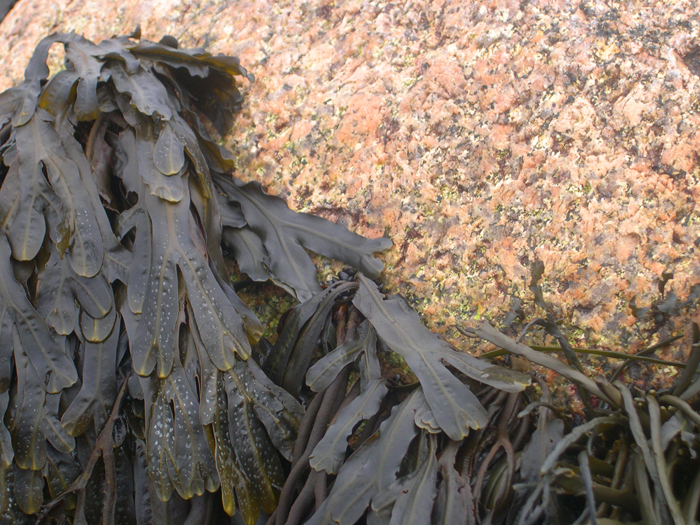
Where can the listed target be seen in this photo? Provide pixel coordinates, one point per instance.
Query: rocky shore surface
(478, 136)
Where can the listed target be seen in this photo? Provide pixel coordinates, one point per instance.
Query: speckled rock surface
(479, 136)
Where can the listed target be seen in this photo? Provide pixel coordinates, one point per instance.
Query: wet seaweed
(125, 359)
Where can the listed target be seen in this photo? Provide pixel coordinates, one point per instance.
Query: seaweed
(117, 307)
(632, 459)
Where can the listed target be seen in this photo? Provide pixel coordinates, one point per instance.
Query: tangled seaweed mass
(137, 386)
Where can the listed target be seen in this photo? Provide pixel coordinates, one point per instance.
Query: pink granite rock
(479, 136)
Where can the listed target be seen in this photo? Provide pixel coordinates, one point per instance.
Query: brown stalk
(503, 442)
(104, 447)
(331, 400)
